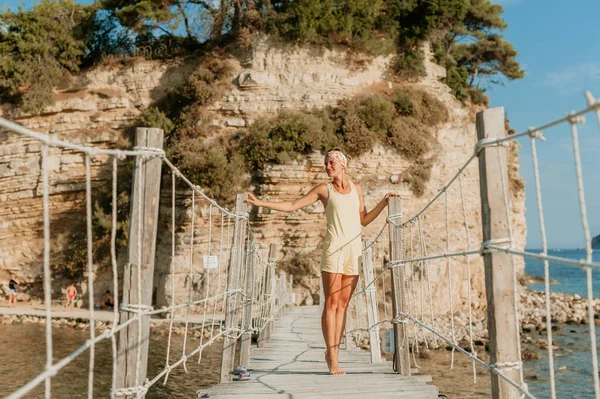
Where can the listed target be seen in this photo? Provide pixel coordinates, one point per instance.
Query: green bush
(350, 23)
(39, 50)
(153, 117)
(409, 65)
(214, 165)
(478, 96)
(210, 80)
(424, 107)
(402, 104)
(409, 137)
(357, 138)
(376, 112)
(456, 79)
(284, 138)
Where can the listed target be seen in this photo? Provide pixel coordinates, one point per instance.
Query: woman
(342, 246)
(12, 292)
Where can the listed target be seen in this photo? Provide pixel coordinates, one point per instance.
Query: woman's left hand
(388, 195)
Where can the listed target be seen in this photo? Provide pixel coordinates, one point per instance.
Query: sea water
(573, 359)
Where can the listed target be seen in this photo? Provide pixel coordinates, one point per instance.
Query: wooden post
(291, 296)
(502, 321)
(282, 297)
(246, 339)
(263, 336)
(272, 295)
(233, 310)
(402, 355)
(142, 229)
(371, 299)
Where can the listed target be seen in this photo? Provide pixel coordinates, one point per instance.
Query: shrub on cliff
(39, 50)
(423, 106)
(216, 167)
(377, 112)
(350, 23)
(357, 138)
(409, 137)
(284, 138)
(155, 118)
(409, 65)
(209, 81)
(402, 119)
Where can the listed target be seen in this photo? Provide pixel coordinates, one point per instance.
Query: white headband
(337, 156)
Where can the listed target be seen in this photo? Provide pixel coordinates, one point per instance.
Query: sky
(559, 49)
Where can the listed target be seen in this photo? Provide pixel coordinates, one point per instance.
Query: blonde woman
(342, 246)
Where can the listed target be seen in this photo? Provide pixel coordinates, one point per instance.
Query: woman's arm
(317, 193)
(368, 217)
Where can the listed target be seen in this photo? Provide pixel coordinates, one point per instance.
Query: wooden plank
(372, 309)
(246, 338)
(291, 364)
(142, 229)
(265, 333)
(282, 296)
(232, 315)
(502, 320)
(402, 355)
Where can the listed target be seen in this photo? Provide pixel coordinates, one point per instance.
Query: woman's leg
(332, 283)
(346, 290)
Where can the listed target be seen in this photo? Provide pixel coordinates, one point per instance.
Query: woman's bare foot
(332, 363)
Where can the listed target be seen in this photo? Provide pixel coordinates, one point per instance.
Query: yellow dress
(342, 246)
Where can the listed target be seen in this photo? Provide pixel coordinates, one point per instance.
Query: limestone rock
(275, 77)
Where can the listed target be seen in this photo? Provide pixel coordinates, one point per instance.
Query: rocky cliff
(269, 79)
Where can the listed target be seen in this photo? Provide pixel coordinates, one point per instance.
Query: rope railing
(414, 254)
(419, 251)
(226, 237)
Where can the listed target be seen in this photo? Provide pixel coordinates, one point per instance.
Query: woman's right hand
(252, 200)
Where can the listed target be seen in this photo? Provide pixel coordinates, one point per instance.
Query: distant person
(107, 303)
(12, 293)
(71, 295)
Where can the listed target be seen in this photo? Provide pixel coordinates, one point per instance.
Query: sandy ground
(105, 315)
(455, 383)
(458, 382)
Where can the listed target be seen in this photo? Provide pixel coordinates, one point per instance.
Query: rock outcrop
(270, 79)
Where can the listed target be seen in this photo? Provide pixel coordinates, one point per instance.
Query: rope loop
(575, 120)
(489, 142)
(135, 308)
(92, 152)
(503, 242)
(483, 143)
(396, 263)
(505, 366)
(150, 151)
(400, 319)
(536, 134)
(138, 391)
(242, 215)
(390, 218)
